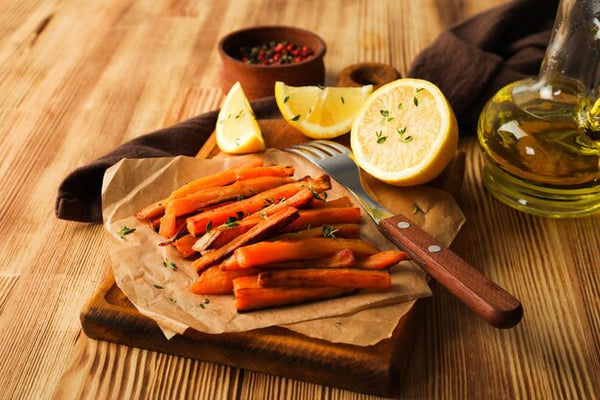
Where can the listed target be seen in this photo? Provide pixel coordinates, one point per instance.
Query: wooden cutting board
(377, 369)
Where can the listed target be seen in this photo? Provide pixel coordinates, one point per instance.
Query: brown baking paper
(162, 293)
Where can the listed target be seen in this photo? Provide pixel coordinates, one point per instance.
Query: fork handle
(499, 308)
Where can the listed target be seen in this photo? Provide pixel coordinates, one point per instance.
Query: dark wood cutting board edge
(378, 370)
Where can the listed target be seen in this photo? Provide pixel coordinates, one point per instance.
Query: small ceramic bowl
(259, 80)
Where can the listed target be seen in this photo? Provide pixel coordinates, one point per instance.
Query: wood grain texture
(80, 77)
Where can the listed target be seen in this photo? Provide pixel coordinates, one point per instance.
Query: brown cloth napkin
(469, 62)
(79, 193)
(474, 59)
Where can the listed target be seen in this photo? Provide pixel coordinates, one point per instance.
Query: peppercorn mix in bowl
(257, 57)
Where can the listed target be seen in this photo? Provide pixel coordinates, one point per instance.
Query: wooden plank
(376, 369)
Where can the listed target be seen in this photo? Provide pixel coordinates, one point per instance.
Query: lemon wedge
(406, 133)
(237, 131)
(320, 112)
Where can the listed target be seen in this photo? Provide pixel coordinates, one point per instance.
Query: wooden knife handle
(490, 301)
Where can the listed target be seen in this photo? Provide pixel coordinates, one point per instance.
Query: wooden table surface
(81, 77)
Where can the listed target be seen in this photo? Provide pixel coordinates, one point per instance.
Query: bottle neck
(574, 49)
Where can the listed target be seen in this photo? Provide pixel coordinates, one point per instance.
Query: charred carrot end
(324, 216)
(249, 296)
(381, 260)
(216, 281)
(257, 232)
(303, 249)
(317, 277)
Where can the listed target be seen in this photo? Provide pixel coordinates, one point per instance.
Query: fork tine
(302, 151)
(322, 148)
(331, 145)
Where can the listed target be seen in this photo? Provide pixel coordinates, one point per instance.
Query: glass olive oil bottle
(541, 136)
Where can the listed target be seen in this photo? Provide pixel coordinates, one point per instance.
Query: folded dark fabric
(79, 194)
(474, 59)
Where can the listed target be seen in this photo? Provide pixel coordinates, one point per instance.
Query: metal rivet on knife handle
(434, 248)
(403, 225)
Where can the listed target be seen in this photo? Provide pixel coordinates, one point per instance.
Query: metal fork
(487, 299)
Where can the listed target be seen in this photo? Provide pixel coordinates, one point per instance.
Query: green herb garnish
(417, 209)
(316, 194)
(125, 231)
(380, 138)
(231, 222)
(328, 231)
(296, 117)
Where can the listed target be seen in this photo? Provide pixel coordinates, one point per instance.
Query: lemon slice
(320, 112)
(237, 131)
(406, 133)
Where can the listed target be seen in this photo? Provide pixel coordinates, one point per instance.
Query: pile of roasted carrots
(271, 240)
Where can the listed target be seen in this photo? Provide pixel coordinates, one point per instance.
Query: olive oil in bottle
(539, 136)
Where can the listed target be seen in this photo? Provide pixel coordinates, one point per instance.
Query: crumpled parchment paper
(163, 294)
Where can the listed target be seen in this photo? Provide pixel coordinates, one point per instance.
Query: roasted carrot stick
(319, 277)
(342, 259)
(349, 231)
(184, 245)
(152, 211)
(222, 234)
(212, 195)
(171, 225)
(324, 216)
(303, 249)
(197, 224)
(226, 177)
(270, 170)
(257, 232)
(216, 281)
(219, 179)
(381, 260)
(168, 225)
(249, 296)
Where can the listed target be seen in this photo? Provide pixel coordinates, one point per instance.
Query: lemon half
(406, 133)
(237, 131)
(320, 112)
